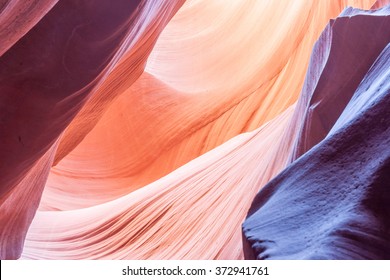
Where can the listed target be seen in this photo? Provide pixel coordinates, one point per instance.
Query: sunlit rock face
(144, 129)
(208, 79)
(334, 201)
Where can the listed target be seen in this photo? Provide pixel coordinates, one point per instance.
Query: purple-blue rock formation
(333, 202)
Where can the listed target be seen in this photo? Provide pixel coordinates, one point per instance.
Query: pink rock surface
(379, 4)
(47, 77)
(171, 115)
(17, 17)
(161, 120)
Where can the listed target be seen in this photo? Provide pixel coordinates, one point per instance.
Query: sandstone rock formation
(144, 129)
(333, 202)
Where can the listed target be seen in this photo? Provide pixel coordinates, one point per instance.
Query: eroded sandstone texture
(146, 129)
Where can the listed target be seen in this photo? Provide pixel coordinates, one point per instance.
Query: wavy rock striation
(45, 80)
(144, 129)
(197, 92)
(333, 201)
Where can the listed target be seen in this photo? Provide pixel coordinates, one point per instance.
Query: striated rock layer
(195, 212)
(144, 135)
(333, 202)
(17, 17)
(47, 77)
(207, 80)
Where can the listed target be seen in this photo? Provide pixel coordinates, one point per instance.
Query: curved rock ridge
(337, 67)
(17, 17)
(195, 212)
(144, 129)
(333, 202)
(149, 21)
(147, 222)
(18, 209)
(198, 91)
(46, 78)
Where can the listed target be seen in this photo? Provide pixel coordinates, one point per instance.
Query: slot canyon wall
(195, 129)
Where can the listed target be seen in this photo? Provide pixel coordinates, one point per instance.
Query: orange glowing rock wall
(207, 80)
(160, 131)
